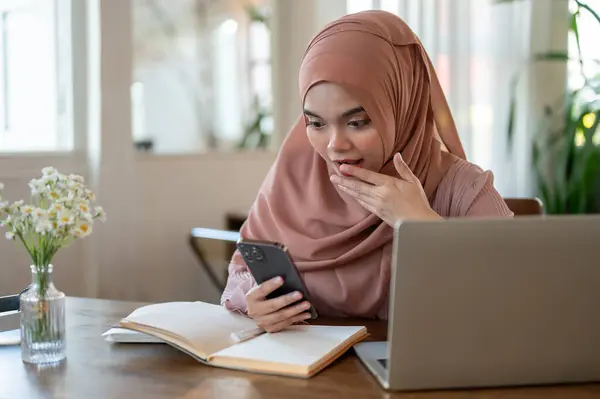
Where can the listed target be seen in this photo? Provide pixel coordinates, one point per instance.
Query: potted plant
(566, 147)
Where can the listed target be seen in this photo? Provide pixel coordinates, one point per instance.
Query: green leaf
(561, 165)
(255, 14)
(590, 178)
(546, 195)
(574, 185)
(512, 109)
(543, 185)
(511, 120)
(575, 29)
(535, 154)
(552, 56)
(589, 9)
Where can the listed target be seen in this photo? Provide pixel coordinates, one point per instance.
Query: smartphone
(267, 260)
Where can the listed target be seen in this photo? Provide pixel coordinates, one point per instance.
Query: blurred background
(173, 111)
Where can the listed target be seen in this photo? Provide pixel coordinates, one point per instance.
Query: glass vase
(42, 319)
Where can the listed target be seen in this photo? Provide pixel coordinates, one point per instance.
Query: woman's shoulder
(464, 175)
(464, 185)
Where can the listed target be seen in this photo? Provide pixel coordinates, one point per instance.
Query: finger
(402, 168)
(354, 185)
(286, 323)
(360, 196)
(274, 319)
(364, 174)
(273, 305)
(262, 290)
(284, 314)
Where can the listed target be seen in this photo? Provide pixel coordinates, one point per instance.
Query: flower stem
(29, 251)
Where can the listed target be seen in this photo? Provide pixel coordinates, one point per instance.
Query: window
(201, 76)
(32, 76)
(227, 123)
(259, 123)
(353, 6)
(170, 107)
(260, 63)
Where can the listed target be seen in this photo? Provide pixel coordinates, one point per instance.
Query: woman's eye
(315, 124)
(359, 123)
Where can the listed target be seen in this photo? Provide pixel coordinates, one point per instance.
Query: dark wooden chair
(196, 236)
(525, 206)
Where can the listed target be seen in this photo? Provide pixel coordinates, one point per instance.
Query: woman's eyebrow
(310, 113)
(352, 111)
(345, 114)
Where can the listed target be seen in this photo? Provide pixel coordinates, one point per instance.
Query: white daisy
(28, 210)
(49, 171)
(100, 214)
(82, 229)
(40, 213)
(43, 226)
(65, 218)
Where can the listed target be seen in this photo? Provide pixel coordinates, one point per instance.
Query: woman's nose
(338, 141)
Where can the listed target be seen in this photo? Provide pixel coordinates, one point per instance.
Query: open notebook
(204, 331)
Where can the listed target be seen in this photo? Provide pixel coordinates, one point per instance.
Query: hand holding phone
(276, 302)
(275, 314)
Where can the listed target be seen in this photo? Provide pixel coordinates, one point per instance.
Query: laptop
(491, 302)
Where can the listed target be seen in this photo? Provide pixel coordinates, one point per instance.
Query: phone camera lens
(257, 254)
(246, 254)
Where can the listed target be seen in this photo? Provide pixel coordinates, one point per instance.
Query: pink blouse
(465, 191)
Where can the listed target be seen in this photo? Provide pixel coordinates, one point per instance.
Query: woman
(376, 144)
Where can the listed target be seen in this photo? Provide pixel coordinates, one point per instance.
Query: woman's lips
(338, 164)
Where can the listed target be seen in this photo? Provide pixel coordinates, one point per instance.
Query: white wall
(174, 195)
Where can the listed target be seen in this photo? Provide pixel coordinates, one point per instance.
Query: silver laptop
(484, 303)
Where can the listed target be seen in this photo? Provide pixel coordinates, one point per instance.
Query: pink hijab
(343, 251)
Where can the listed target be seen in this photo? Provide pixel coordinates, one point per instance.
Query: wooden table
(97, 369)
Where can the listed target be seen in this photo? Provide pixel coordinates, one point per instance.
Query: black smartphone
(267, 260)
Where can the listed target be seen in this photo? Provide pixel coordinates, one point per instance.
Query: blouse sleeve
(468, 191)
(488, 202)
(239, 282)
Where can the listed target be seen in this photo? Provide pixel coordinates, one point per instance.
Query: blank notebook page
(206, 326)
(297, 345)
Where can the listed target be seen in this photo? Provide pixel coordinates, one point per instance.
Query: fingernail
(307, 316)
(296, 295)
(306, 305)
(278, 280)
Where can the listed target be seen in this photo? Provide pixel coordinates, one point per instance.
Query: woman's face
(340, 130)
